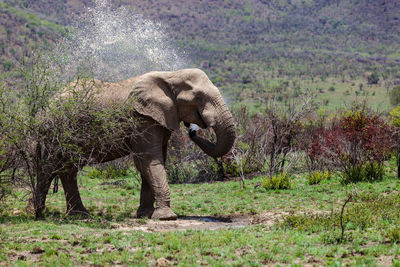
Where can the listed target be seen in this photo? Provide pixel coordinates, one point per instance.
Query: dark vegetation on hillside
(20, 31)
(243, 44)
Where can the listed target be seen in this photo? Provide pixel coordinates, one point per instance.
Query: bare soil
(200, 223)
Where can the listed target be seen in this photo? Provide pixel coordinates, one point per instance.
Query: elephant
(162, 100)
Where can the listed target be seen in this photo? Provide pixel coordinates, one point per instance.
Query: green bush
(353, 174)
(278, 181)
(394, 96)
(370, 172)
(6, 189)
(108, 172)
(316, 177)
(184, 172)
(94, 173)
(393, 235)
(373, 172)
(113, 172)
(233, 168)
(373, 78)
(395, 115)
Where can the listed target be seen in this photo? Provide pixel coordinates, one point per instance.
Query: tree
(373, 78)
(395, 96)
(46, 121)
(395, 121)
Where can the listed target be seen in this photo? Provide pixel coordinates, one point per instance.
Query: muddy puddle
(186, 223)
(200, 223)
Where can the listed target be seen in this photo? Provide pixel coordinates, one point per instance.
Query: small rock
(37, 250)
(161, 262)
(17, 212)
(22, 257)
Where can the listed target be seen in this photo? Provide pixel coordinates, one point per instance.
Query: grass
(331, 94)
(348, 91)
(306, 233)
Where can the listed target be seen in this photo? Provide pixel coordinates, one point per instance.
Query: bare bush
(244, 157)
(187, 164)
(49, 126)
(283, 124)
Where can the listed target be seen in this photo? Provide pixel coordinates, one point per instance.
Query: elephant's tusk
(193, 130)
(194, 127)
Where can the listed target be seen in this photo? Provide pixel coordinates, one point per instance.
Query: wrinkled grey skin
(162, 100)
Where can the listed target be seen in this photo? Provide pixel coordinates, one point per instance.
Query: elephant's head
(189, 96)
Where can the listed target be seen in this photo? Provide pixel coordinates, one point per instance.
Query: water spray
(116, 44)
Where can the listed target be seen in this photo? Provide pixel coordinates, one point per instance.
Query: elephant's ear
(153, 97)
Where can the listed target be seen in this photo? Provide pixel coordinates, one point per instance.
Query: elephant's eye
(190, 99)
(200, 96)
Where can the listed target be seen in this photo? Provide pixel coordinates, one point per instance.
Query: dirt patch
(267, 218)
(186, 223)
(385, 260)
(32, 256)
(200, 223)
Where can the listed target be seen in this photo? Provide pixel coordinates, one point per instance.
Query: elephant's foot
(164, 213)
(30, 208)
(37, 211)
(144, 212)
(82, 211)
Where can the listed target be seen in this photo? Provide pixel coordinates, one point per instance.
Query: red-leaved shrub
(357, 143)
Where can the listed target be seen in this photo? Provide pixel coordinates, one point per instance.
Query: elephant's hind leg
(37, 200)
(71, 191)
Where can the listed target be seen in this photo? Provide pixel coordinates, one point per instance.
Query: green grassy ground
(305, 231)
(346, 92)
(331, 94)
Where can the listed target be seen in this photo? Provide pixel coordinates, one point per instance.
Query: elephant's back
(104, 93)
(116, 93)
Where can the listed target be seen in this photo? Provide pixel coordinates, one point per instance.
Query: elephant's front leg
(153, 172)
(149, 155)
(146, 207)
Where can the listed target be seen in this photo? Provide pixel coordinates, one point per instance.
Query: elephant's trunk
(225, 132)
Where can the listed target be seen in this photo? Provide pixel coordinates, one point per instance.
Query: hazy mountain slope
(20, 30)
(245, 43)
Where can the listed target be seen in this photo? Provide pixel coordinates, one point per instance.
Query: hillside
(248, 47)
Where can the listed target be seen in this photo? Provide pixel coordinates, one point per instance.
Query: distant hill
(241, 43)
